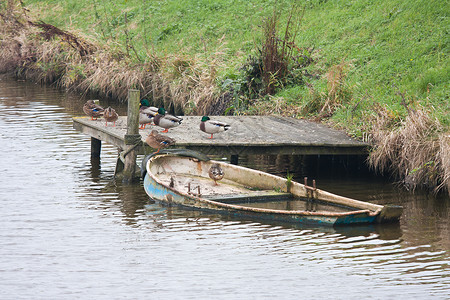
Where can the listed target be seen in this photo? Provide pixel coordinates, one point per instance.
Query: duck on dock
(210, 126)
(164, 120)
(110, 115)
(93, 110)
(146, 113)
(215, 173)
(159, 141)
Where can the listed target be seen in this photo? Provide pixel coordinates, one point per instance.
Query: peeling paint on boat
(162, 167)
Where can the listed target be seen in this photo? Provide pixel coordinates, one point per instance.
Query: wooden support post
(234, 159)
(133, 112)
(119, 166)
(132, 137)
(96, 148)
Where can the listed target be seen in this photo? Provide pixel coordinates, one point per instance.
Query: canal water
(69, 231)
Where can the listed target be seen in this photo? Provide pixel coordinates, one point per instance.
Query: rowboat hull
(171, 180)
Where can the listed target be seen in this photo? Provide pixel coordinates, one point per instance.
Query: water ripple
(68, 230)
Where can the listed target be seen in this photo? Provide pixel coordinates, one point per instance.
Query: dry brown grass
(275, 106)
(338, 92)
(193, 81)
(323, 104)
(42, 53)
(444, 155)
(415, 150)
(15, 45)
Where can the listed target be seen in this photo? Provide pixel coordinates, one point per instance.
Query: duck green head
(161, 111)
(205, 118)
(145, 102)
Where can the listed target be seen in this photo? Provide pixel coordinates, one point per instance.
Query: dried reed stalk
(444, 156)
(336, 88)
(415, 150)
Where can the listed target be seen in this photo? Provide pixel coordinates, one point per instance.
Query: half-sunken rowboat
(181, 178)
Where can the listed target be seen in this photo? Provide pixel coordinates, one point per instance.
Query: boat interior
(191, 177)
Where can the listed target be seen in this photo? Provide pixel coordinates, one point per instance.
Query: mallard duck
(158, 141)
(110, 115)
(215, 173)
(93, 110)
(209, 126)
(165, 120)
(146, 113)
(92, 104)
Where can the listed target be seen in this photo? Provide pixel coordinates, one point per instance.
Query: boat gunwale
(246, 208)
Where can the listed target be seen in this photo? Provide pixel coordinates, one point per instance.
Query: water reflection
(95, 168)
(132, 203)
(384, 232)
(68, 230)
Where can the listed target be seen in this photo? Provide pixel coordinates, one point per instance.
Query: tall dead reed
(279, 59)
(278, 53)
(444, 155)
(415, 150)
(274, 62)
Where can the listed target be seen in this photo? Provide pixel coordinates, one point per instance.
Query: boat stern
(389, 214)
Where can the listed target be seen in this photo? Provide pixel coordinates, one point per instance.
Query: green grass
(378, 69)
(164, 27)
(387, 46)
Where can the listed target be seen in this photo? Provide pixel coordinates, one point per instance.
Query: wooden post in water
(132, 137)
(234, 159)
(96, 148)
(96, 144)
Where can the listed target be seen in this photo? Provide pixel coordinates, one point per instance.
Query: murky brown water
(68, 231)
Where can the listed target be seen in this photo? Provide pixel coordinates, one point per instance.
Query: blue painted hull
(169, 196)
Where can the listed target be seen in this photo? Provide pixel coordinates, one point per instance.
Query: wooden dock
(248, 135)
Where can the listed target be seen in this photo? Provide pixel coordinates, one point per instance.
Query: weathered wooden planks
(248, 135)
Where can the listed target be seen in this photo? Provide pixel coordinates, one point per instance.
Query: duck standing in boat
(146, 113)
(210, 126)
(215, 173)
(110, 115)
(164, 120)
(93, 110)
(159, 141)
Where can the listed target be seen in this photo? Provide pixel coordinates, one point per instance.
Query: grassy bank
(378, 69)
